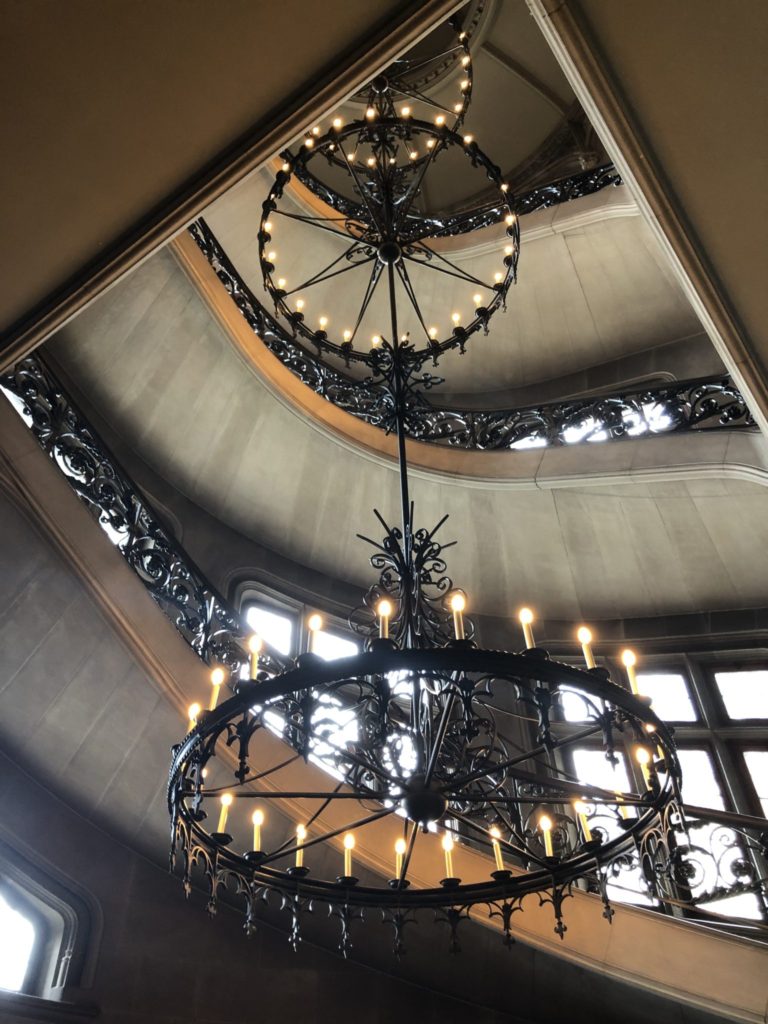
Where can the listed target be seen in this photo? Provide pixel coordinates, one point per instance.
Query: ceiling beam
(385, 37)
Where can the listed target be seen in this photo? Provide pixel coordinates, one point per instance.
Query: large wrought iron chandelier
(423, 730)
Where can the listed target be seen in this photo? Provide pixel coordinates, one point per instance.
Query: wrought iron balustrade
(704, 404)
(209, 625)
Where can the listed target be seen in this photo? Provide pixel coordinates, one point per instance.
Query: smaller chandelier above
(384, 162)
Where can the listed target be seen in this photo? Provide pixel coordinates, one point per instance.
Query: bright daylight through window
(17, 940)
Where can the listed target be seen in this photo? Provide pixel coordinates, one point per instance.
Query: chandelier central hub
(423, 802)
(389, 252)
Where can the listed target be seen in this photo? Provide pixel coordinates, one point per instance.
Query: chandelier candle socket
(545, 824)
(255, 645)
(629, 660)
(458, 604)
(192, 712)
(384, 612)
(584, 636)
(301, 835)
(257, 819)
(581, 810)
(226, 803)
(349, 845)
(218, 675)
(448, 851)
(496, 844)
(526, 621)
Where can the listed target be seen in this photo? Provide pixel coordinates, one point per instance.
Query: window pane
(331, 646)
(700, 785)
(17, 938)
(274, 628)
(593, 768)
(745, 694)
(757, 763)
(669, 693)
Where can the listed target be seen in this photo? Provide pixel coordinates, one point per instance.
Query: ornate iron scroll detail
(574, 186)
(708, 404)
(209, 625)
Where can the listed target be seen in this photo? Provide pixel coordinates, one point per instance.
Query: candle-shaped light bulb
(581, 809)
(509, 220)
(285, 167)
(464, 84)
(498, 277)
(371, 161)
(267, 225)
(337, 123)
(258, 820)
(465, 60)
(458, 604)
(314, 624)
(430, 143)
(316, 130)
(440, 120)
(272, 256)
(413, 155)
(545, 824)
(400, 848)
(448, 850)
(309, 143)
(405, 111)
(218, 675)
(508, 250)
(623, 809)
(526, 621)
(432, 333)
(375, 341)
(281, 282)
(255, 644)
(477, 298)
(370, 113)
(323, 321)
(347, 336)
(384, 612)
(456, 318)
(349, 845)
(226, 803)
(644, 760)
(496, 844)
(299, 304)
(584, 636)
(192, 712)
(629, 660)
(301, 835)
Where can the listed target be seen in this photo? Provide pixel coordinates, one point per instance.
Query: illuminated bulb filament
(581, 809)
(384, 611)
(258, 820)
(545, 824)
(255, 645)
(226, 802)
(347, 335)
(192, 712)
(526, 621)
(405, 112)
(400, 848)
(267, 225)
(376, 341)
(458, 604)
(629, 660)
(448, 851)
(299, 304)
(495, 837)
(477, 298)
(314, 624)
(323, 321)
(301, 835)
(217, 678)
(349, 845)
(584, 636)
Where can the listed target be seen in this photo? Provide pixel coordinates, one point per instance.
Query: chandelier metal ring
(469, 678)
(386, 229)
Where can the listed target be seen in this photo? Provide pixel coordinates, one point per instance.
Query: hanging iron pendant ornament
(422, 731)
